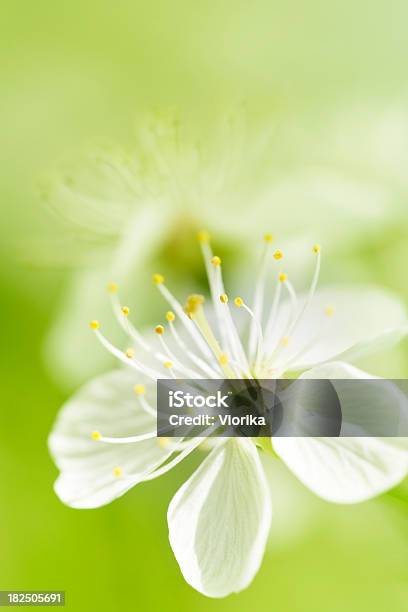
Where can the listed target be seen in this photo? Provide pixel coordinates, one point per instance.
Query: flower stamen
(208, 371)
(259, 293)
(201, 321)
(175, 304)
(150, 373)
(239, 303)
(159, 329)
(274, 310)
(128, 439)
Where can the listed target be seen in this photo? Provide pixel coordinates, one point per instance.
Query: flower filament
(193, 347)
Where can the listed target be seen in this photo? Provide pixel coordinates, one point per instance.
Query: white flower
(175, 178)
(180, 174)
(104, 441)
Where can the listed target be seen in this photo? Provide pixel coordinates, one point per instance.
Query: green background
(74, 73)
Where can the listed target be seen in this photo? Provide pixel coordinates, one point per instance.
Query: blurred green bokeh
(79, 72)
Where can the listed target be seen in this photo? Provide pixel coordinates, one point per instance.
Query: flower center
(193, 346)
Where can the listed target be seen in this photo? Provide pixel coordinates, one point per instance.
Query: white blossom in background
(104, 440)
(238, 172)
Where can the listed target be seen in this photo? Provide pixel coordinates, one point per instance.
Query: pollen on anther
(159, 329)
(216, 261)
(238, 302)
(278, 255)
(285, 341)
(283, 277)
(316, 248)
(203, 236)
(130, 353)
(117, 472)
(194, 303)
(329, 311)
(168, 364)
(223, 359)
(139, 389)
(158, 279)
(112, 288)
(125, 310)
(170, 316)
(96, 435)
(94, 324)
(268, 237)
(224, 298)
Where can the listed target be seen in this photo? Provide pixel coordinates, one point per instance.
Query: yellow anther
(112, 287)
(96, 435)
(278, 255)
(283, 277)
(130, 353)
(139, 389)
(159, 329)
(94, 324)
(224, 298)
(285, 341)
(158, 279)
(125, 310)
(163, 442)
(203, 236)
(170, 316)
(168, 364)
(223, 359)
(316, 248)
(117, 472)
(216, 261)
(329, 311)
(193, 304)
(268, 237)
(238, 302)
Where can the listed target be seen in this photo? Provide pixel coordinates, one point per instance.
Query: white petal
(378, 344)
(360, 315)
(370, 406)
(336, 370)
(109, 405)
(347, 470)
(220, 518)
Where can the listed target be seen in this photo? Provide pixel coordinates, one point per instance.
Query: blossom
(104, 441)
(172, 179)
(179, 174)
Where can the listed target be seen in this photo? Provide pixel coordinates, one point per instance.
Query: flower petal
(370, 406)
(358, 315)
(107, 405)
(220, 518)
(379, 343)
(345, 470)
(354, 469)
(336, 370)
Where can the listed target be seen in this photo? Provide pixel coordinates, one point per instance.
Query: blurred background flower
(118, 213)
(325, 88)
